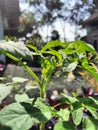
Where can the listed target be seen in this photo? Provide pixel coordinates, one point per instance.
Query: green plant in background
(14, 86)
(26, 111)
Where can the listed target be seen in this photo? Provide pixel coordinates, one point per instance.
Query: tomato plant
(26, 112)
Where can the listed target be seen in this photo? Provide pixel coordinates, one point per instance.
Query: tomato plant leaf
(16, 48)
(77, 116)
(45, 109)
(64, 114)
(90, 68)
(53, 44)
(69, 99)
(4, 91)
(16, 117)
(81, 46)
(90, 124)
(32, 47)
(65, 125)
(54, 53)
(21, 97)
(94, 113)
(88, 102)
(23, 115)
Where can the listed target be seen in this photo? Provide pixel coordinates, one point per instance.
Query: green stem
(43, 88)
(32, 73)
(28, 69)
(42, 126)
(42, 94)
(47, 81)
(44, 84)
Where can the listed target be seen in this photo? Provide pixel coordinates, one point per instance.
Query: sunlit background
(65, 17)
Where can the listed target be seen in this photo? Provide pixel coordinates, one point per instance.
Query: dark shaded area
(34, 112)
(55, 35)
(10, 11)
(2, 127)
(95, 44)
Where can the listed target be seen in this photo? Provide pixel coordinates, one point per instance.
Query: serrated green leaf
(21, 116)
(70, 49)
(95, 99)
(81, 47)
(16, 117)
(53, 44)
(21, 97)
(65, 125)
(70, 99)
(32, 47)
(64, 114)
(89, 103)
(55, 53)
(37, 113)
(90, 124)
(16, 48)
(45, 109)
(4, 91)
(93, 112)
(77, 116)
(90, 48)
(90, 69)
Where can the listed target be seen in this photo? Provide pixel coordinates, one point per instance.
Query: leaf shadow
(34, 112)
(2, 127)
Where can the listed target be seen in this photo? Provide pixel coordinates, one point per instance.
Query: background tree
(44, 16)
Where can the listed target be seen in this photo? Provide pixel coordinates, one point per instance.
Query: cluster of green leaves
(82, 112)
(26, 112)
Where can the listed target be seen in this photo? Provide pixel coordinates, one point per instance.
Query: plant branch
(28, 69)
(47, 81)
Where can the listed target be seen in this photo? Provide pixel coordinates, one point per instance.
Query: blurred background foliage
(44, 20)
(41, 21)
